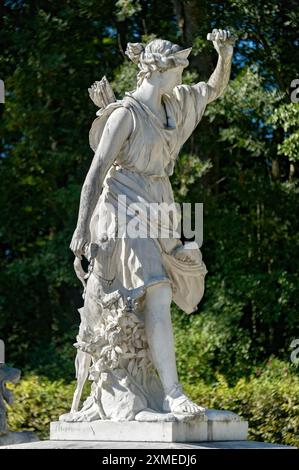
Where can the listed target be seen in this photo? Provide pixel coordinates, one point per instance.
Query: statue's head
(160, 61)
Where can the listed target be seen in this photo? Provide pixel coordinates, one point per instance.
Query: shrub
(268, 399)
(37, 402)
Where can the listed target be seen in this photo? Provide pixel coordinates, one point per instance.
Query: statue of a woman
(125, 341)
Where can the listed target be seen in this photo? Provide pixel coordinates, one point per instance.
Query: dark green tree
(242, 162)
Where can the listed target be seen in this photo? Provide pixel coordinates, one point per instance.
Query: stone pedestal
(213, 426)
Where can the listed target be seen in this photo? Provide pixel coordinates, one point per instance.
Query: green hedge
(37, 402)
(269, 399)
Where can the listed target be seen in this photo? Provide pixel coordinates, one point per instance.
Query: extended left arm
(218, 81)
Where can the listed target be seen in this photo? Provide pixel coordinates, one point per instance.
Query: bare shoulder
(120, 120)
(120, 112)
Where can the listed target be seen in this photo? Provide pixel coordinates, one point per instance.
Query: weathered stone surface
(214, 426)
(13, 438)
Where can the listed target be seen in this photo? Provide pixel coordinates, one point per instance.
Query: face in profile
(171, 78)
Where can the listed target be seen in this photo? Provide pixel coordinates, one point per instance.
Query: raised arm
(117, 130)
(219, 79)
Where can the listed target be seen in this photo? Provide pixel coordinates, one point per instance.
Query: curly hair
(158, 54)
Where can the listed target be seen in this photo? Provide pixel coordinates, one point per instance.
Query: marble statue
(9, 375)
(125, 344)
(12, 375)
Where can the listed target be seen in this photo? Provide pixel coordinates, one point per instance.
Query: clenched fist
(223, 41)
(80, 242)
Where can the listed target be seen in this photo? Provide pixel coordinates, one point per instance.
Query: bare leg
(159, 332)
(160, 338)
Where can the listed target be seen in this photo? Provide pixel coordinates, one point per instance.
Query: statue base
(150, 427)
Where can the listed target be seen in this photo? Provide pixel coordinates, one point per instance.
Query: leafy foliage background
(242, 163)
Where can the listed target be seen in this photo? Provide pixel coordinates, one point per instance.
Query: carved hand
(223, 41)
(80, 242)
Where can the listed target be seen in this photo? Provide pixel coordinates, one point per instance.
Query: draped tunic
(140, 175)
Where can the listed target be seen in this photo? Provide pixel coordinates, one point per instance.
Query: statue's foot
(178, 403)
(86, 414)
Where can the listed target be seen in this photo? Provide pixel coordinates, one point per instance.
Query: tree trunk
(275, 170)
(193, 21)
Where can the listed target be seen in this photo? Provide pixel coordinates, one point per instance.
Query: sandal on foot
(174, 399)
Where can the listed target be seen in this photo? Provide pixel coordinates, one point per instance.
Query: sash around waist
(120, 168)
(137, 186)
